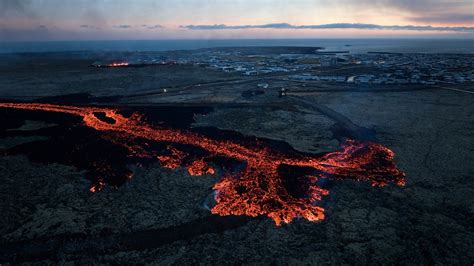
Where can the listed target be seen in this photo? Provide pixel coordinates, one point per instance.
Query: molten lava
(120, 64)
(197, 168)
(115, 64)
(261, 187)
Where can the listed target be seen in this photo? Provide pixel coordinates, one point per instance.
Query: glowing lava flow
(260, 188)
(115, 64)
(121, 64)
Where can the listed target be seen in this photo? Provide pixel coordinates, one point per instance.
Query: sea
(356, 46)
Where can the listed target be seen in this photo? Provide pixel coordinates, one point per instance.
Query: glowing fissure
(258, 189)
(119, 64)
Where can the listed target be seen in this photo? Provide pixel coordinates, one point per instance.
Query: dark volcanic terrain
(162, 215)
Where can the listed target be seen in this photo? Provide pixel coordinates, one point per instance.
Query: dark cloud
(445, 18)
(42, 26)
(123, 26)
(329, 26)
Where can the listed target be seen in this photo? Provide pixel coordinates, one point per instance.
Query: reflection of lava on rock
(265, 185)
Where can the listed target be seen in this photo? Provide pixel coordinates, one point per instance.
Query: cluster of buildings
(246, 65)
(368, 68)
(381, 68)
(417, 68)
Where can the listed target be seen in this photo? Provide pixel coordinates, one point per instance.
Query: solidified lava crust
(259, 187)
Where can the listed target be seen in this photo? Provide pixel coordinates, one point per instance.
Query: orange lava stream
(121, 64)
(258, 189)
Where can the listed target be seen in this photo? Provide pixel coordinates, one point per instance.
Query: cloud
(146, 26)
(445, 18)
(152, 27)
(87, 26)
(328, 26)
(426, 11)
(123, 26)
(42, 27)
(238, 27)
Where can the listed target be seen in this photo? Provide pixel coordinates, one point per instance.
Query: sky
(53, 20)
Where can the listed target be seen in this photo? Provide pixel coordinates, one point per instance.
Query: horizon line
(470, 37)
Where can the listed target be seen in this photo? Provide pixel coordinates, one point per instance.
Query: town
(373, 68)
(316, 65)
